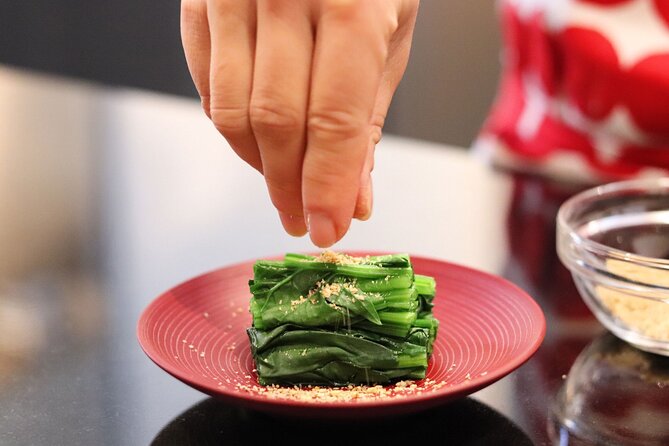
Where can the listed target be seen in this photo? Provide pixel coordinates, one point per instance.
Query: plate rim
(432, 397)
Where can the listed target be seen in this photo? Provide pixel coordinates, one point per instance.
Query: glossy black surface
(614, 394)
(464, 422)
(110, 203)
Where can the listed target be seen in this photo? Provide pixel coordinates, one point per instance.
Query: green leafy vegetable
(338, 320)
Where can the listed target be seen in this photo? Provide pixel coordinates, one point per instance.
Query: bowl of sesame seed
(615, 241)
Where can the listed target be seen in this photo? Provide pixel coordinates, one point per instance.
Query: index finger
(349, 58)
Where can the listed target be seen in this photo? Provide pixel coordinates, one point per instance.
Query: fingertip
(322, 230)
(293, 224)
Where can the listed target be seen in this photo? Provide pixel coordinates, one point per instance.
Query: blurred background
(444, 96)
(103, 203)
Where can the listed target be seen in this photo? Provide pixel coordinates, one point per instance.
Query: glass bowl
(615, 241)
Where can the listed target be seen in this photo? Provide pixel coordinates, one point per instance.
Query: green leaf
(315, 322)
(291, 355)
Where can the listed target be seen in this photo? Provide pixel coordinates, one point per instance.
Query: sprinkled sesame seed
(330, 289)
(328, 256)
(299, 301)
(350, 393)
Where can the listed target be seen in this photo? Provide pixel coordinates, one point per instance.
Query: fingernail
(293, 224)
(363, 209)
(368, 204)
(321, 230)
(364, 206)
(367, 214)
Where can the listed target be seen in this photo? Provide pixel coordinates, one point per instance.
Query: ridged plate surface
(489, 327)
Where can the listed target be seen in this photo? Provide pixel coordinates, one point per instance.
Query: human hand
(300, 89)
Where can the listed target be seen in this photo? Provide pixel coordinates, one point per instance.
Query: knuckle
(223, 6)
(335, 123)
(407, 10)
(329, 180)
(286, 196)
(378, 121)
(348, 12)
(190, 11)
(393, 25)
(277, 6)
(270, 115)
(194, 16)
(228, 119)
(342, 8)
(328, 191)
(282, 186)
(412, 5)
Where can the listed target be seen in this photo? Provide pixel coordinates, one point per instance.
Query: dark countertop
(108, 197)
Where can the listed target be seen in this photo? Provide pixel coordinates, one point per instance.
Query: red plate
(489, 327)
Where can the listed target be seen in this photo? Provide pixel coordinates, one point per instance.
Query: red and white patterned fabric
(584, 92)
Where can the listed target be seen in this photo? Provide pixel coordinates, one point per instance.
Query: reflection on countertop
(465, 422)
(48, 311)
(614, 394)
